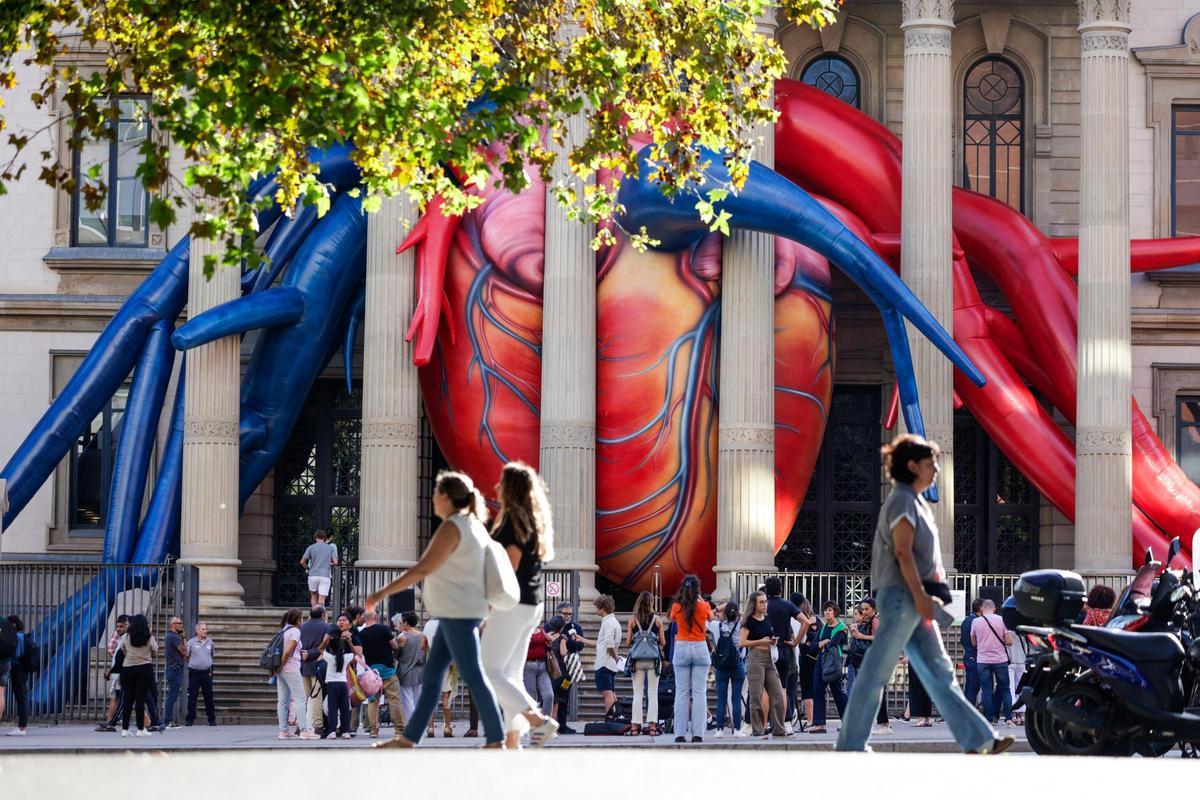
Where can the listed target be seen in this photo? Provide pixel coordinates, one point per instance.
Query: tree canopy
(436, 96)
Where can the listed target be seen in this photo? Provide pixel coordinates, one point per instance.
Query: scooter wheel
(1035, 732)
(1071, 741)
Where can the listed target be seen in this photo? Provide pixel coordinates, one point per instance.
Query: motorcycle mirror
(1150, 553)
(1173, 550)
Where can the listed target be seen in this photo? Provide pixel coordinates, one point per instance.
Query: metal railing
(70, 609)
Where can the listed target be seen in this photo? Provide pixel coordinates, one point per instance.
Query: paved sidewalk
(80, 738)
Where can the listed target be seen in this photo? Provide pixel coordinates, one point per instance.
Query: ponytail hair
(463, 495)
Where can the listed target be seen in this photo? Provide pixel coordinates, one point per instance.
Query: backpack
(271, 657)
(645, 646)
(31, 659)
(8, 639)
(499, 580)
(725, 656)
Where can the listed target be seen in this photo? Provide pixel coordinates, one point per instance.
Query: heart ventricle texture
(657, 404)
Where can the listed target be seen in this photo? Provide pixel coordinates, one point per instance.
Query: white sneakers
(15, 732)
(308, 736)
(881, 730)
(124, 732)
(719, 733)
(286, 735)
(741, 734)
(143, 732)
(787, 729)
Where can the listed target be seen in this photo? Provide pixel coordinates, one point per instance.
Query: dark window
(122, 219)
(994, 131)
(836, 525)
(91, 462)
(995, 507)
(833, 75)
(1185, 171)
(1187, 436)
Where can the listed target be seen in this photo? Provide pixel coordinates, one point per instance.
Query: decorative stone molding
(1092, 12)
(1171, 381)
(214, 431)
(746, 437)
(1103, 442)
(926, 12)
(943, 435)
(559, 434)
(378, 432)
(1103, 44)
(932, 41)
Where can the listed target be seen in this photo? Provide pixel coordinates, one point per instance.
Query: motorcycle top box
(1050, 595)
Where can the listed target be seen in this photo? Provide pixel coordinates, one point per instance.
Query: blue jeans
(993, 679)
(456, 640)
(175, 676)
(851, 673)
(836, 689)
(691, 663)
(971, 680)
(738, 679)
(903, 630)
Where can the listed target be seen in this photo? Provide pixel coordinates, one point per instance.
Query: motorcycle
(1132, 686)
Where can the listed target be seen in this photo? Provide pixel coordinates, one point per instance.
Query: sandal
(471, 734)
(650, 729)
(633, 730)
(817, 729)
(923, 723)
(447, 732)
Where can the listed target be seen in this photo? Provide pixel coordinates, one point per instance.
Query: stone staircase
(242, 695)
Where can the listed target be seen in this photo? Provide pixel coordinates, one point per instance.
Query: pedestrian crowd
(774, 663)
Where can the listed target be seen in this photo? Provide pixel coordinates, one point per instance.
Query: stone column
(1103, 444)
(209, 535)
(926, 233)
(746, 423)
(567, 457)
(388, 526)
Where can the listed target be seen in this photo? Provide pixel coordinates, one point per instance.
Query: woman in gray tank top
(905, 561)
(452, 568)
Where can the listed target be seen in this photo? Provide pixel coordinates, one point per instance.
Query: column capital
(1104, 41)
(1104, 15)
(926, 14)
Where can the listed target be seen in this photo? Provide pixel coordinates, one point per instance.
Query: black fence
(70, 610)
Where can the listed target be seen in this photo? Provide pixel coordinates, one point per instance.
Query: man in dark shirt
(780, 614)
(176, 670)
(379, 651)
(970, 655)
(313, 639)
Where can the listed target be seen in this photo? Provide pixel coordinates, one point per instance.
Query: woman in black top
(758, 637)
(524, 529)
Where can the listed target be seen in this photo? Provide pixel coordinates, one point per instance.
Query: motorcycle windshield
(1137, 593)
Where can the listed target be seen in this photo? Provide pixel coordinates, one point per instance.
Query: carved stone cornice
(927, 12)
(568, 434)
(1103, 442)
(388, 432)
(1104, 43)
(927, 41)
(210, 431)
(1103, 14)
(746, 437)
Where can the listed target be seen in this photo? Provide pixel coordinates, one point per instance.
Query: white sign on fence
(553, 589)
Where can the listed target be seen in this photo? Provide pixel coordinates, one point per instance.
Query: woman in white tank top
(452, 569)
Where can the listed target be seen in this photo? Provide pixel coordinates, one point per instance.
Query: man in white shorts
(319, 559)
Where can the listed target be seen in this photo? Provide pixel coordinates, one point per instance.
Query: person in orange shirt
(691, 660)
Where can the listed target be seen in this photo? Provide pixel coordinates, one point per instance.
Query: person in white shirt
(607, 641)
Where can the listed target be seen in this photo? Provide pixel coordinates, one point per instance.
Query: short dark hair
(976, 604)
(904, 449)
(869, 601)
(555, 624)
(410, 619)
(17, 624)
(321, 534)
(355, 612)
(122, 618)
(317, 612)
(1100, 596)
(773, 587)
(837, 610)
(797, 599)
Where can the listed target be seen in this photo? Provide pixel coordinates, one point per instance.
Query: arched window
(994, 130)
(833, 75)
